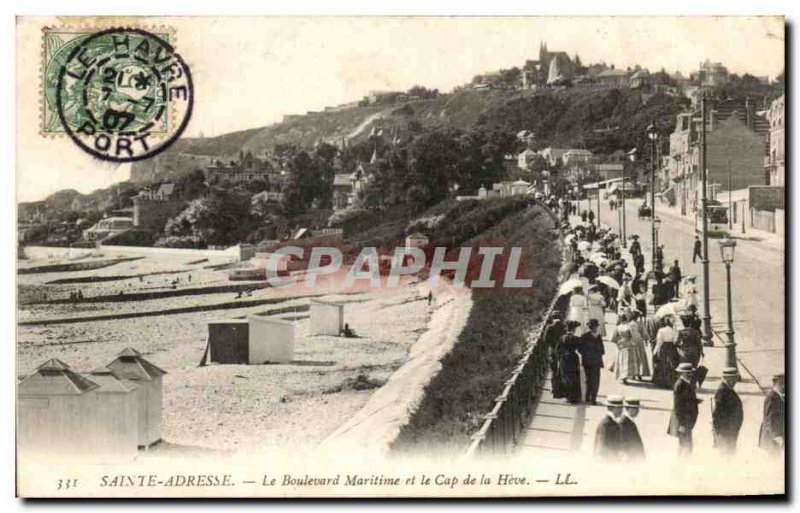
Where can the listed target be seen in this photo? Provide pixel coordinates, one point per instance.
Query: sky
(250, 71)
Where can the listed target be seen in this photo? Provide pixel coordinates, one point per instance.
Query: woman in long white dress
(638, 340)
(578, 310)
(597, 308)
(689, 292)
(625, 363)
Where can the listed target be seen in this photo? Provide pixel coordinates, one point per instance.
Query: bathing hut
(130, 365)
(270, 340)
(117, 415)
(227, 341)
(56, 412)
(326, 318)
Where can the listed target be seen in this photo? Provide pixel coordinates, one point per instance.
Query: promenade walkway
(561, 430)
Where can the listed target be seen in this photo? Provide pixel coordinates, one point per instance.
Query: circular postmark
(124, 95)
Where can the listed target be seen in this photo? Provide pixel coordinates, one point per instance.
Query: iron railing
(503, 426)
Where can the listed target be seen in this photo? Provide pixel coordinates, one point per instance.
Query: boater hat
(614, 400)
(632, 402)
(685, 367)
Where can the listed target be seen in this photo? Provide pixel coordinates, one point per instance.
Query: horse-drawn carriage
(645, 211)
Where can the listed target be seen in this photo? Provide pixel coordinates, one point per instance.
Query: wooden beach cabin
(130, 365)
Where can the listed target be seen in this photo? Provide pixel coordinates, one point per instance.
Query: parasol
(673, 309)
(608, 281)
(570, 285)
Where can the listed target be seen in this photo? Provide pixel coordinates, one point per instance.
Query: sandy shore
(232, 407)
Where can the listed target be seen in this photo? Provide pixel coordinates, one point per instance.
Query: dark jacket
(684, 407)
(552, 334)
(773, 424)
(608, 439)
(631, 441)
(675, 274)
(689, 343)
(592, 350)
(727, 415)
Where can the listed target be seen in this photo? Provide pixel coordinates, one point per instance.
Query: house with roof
(553, 155)
(526, 158)
(576, 157)
(613, 78)
(640, 79)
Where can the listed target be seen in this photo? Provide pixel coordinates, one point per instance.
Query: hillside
(562, 118)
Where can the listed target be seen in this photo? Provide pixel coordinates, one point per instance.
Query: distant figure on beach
(80, 294)
(347, 332)
(190, 278)
(430, 297)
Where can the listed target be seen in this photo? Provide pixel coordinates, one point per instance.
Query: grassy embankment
(474, 372)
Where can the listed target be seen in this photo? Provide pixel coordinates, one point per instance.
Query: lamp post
(707, 340)
(657, 229)
(632, 158)
(653, 136)
(727, 248)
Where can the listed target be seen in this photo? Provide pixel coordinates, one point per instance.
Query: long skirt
(555, 378)
(578, 314)
(642, 366)
(626, 365)
(665, 361)
(570, 377)
(596, 312)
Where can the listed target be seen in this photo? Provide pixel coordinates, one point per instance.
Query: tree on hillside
(423, 92)
(221, 218)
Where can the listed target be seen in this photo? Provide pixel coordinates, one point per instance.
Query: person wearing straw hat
(631, 441)
(684, 408)
(772, 436)
(726, 412)
(592, 351)
(608, 437)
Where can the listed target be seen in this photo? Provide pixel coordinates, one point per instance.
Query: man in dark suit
(632, 445)
(635, 248)
(592, 351)
(727, 414)
(675, 276)
(551, 336)
(684, 409)
(772, 437)
(608, 437)
(698, 249)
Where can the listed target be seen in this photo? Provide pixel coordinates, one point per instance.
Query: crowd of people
(657, 336)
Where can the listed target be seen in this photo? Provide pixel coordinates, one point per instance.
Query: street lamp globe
(727, 248)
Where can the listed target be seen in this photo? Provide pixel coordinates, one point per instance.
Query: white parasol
(608, 281)
(673, 309)
(570, 285)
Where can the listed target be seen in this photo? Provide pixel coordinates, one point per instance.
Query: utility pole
(653, 136)
(707, 340)
(730, 198)
(624, 231)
